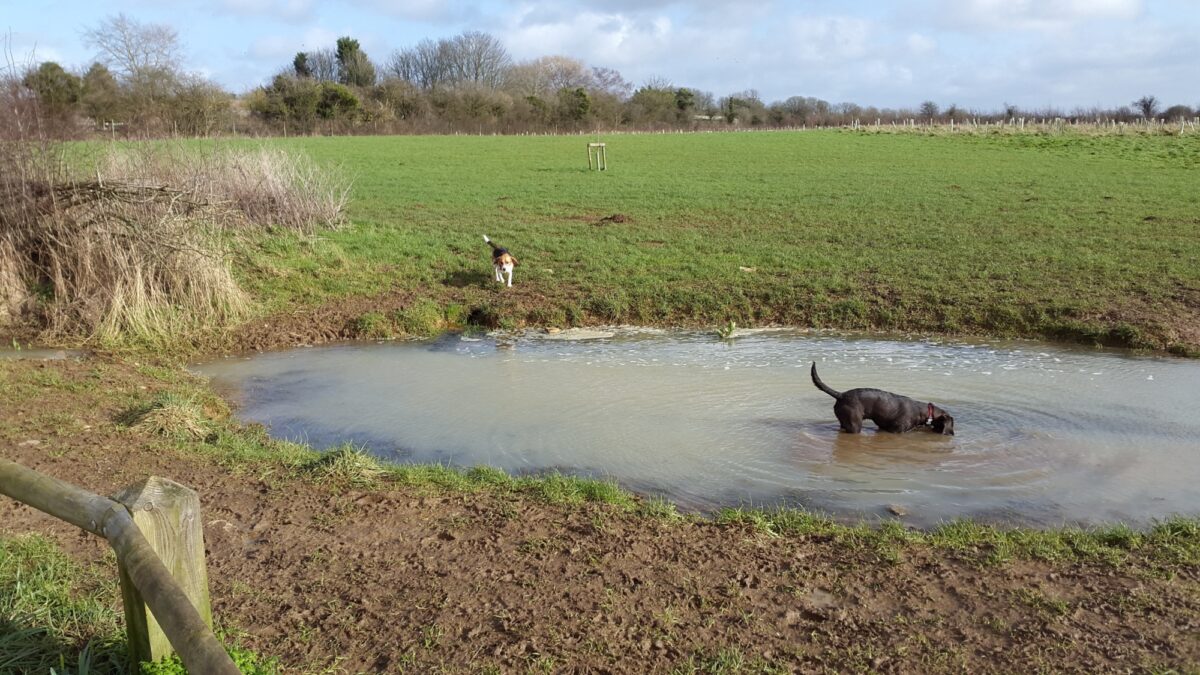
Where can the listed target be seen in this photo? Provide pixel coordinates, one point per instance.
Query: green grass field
(1077, 237)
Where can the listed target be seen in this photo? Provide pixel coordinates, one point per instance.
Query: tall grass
(107, 259)
(266, 186)
(12, 293)
(133, 246)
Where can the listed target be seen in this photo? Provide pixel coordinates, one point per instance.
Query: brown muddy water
(1046, 435)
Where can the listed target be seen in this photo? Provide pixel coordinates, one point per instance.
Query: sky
(978, 54)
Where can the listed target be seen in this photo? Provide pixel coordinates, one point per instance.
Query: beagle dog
(503, 262)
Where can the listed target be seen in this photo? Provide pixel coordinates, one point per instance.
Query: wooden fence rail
(144, 576)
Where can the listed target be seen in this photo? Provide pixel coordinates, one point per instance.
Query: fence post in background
(168, 515)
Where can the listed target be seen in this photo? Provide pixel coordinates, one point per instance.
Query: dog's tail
(491, 243)
(821, 385)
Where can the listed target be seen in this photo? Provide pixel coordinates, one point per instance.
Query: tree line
(465, 83)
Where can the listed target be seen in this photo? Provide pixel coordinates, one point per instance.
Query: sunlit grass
(1078, 237)
(55, 613)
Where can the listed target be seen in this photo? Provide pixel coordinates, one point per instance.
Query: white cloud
(431, 11)
(247, 6)
(977, 53)
(828, 38)
(1106, 66)
(881, 72)
(28, 49)
(1041, 15)
(288, 10)
(1028, 52)
(272, 48)
(920, 45)
(597, 38)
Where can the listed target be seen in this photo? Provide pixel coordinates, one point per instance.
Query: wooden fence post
(601, 160)
(168, 515)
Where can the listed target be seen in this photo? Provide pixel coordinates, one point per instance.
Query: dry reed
(174, 416)
(138, 251)
(269, 187)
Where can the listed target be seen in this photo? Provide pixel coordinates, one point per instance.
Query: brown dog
(890, 412)
(503, 262)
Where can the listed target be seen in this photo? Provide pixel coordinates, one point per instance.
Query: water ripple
(1046, 434)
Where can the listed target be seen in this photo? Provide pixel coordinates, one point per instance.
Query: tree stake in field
(597, 150)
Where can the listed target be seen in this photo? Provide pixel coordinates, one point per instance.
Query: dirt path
(402, 579)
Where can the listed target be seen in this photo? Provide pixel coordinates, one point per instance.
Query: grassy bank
(1066, 236)
(346, 529)
(1087, 238)
(180, 414)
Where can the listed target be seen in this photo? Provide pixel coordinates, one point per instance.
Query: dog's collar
(929, 415)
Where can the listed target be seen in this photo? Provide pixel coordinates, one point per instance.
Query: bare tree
(135, 50)
(1179, 112)
(546, 76)
(610, 81)
(658, 82)
(323, 65)
(527, 79)
(427, 65)
(565, 72)
(400, 66)
(478, 58)
(706, 102)
(799, 108)
(848, 110)
(929, 110)
(1147, 105)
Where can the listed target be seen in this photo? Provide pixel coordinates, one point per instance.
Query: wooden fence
(155, 529)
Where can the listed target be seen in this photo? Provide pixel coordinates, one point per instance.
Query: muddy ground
(393, 579)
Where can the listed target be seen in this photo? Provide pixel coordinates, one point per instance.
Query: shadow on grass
(30, 649)
(464, 278)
